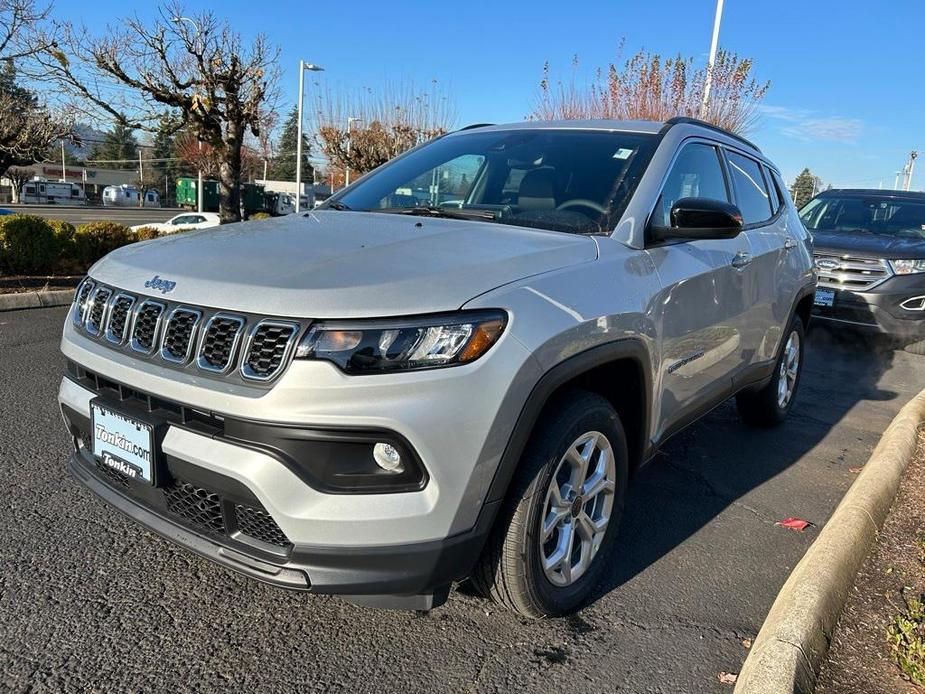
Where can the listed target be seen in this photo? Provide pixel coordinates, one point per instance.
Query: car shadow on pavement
(719, 460)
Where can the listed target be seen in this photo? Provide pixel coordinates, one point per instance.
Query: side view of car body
(183, 222)
(870, 257)
(451, 368)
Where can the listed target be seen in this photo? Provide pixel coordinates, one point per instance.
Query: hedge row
(35, 246)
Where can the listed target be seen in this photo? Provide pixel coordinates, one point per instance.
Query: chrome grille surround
(120, 318)
(180, 334)
(81, 299)
(96, 310)
(268, 347)
(146, 324)
(850, 272)
(243, 348)
(219, 343)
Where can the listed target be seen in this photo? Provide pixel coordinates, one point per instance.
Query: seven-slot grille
(179, 334)
(186, 336)
(846, 272)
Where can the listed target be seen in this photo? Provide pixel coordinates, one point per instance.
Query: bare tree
(382, 124)
(650, 87)
(21, 29)
(198, 68)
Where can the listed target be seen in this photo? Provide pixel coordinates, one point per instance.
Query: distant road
(87, 213)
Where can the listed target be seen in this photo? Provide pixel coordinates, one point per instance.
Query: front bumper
(880, 309)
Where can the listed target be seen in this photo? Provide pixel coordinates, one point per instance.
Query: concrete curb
(795, 636)
(15, 302)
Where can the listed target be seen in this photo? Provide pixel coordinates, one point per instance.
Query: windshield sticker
(622, 153)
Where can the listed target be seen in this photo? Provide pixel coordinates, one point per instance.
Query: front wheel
(559, 520)
(771, 404)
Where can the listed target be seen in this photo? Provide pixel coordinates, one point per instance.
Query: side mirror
(702, 218)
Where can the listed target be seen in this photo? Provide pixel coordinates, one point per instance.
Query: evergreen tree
(805, 186)
(118, 144)
(164, 147)
(283, 167)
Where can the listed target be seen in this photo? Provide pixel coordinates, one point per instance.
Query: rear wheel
(557, 526)
(770, 405)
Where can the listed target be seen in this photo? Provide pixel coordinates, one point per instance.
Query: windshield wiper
(336, 205)
(432, 211)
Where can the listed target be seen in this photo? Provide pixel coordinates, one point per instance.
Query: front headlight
(907, 267)
(402, 344)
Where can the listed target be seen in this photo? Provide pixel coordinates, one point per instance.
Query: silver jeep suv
(452, 369)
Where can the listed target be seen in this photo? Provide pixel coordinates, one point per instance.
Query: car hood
(331, 264)
(868, 245)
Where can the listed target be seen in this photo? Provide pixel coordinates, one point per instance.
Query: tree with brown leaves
(650, 87)
(383, 125)
(198, 69)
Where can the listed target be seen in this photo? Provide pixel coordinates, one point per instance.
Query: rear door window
(751, 191)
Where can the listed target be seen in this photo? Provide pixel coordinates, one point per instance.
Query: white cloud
(806, 125)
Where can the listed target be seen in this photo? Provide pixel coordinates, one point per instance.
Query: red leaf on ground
(728, 677)
(797, 524)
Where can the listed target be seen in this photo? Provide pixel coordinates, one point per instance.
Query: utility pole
(910, 169)
(350, 121)
(708, 81)
(311, 67)
(63, 169)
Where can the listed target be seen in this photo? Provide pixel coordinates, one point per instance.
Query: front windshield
(576, 181)
(866, 214)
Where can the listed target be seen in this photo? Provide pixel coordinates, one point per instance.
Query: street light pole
(350, 121)
(708, 81)
(303, 66)
(177, 20)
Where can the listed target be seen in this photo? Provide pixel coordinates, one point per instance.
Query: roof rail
(679, 120)
(476, 125)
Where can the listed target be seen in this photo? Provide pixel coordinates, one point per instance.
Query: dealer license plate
(123, 443)
(825, 297)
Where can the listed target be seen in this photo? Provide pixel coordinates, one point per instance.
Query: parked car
(377, 400)
(870, 258)
(4, 211)
(183, 222)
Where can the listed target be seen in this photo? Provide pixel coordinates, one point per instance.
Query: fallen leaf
(728, 677)
(797, 524)
(747, 643)
(855, 470)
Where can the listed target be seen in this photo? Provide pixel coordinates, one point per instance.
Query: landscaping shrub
(27, 245)
(146, 234)
(259, 215)
(94, 240)
(64, 247)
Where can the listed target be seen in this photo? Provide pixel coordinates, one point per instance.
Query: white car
(184, 222)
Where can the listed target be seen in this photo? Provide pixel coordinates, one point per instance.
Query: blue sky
(846, 95)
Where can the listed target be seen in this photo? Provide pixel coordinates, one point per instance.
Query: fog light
(387, 457)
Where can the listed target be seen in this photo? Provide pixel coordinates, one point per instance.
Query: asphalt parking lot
(90, 602)
(89, 213)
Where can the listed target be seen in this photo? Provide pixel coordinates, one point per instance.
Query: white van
(38, 192)
(128, 196)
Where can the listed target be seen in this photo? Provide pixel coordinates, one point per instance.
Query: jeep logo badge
(159, 284)
(827, 264)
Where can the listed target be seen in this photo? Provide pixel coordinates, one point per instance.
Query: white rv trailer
(38, 192)
(128, 196)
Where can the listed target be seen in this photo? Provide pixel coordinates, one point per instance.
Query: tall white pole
(298, 145)
(708, 81)
(912, 158)
(63, 169)
(347, 167)
(199, 181)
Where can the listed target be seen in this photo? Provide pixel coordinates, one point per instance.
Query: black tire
(510, 570)
(763, 407)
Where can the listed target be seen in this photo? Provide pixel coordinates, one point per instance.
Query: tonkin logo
(162, 285)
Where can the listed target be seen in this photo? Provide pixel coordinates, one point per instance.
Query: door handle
(789, 244)
(741, 260)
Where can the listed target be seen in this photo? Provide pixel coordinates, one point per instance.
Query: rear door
(702, 307)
